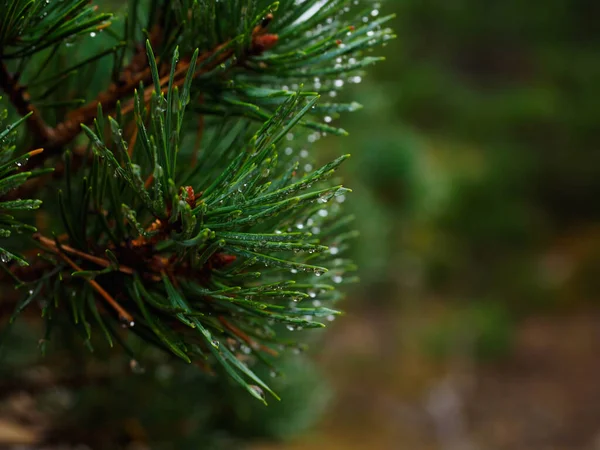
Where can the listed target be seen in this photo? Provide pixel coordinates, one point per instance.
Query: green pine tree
(159, 202)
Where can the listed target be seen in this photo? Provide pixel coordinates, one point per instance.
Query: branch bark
(54, 139)
(135, 73)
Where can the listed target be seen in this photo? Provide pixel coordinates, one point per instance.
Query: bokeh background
(476, 174)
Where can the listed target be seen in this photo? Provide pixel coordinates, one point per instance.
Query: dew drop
(136, 367)
(258, 391)
(125, 323)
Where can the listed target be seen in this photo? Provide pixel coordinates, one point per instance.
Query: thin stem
(133, 140)
(50, 245)
(73, 251)
(179, 76)
(135, 73)
(247, 339)
(123, 315)
(67, 130)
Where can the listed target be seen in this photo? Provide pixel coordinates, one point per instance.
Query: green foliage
(176, 405)
(488, 336)
(517, 81)
(10, 179)
(27, 26)
(196, 217)
(503, 101)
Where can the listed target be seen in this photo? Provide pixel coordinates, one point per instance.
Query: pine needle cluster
(170, 143)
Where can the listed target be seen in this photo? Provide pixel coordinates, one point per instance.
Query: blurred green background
(475, 172)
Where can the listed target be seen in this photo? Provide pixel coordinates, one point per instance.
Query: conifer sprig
(10, 179)
(196, 216)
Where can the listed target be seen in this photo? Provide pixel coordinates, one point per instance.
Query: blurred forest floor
(545, 395)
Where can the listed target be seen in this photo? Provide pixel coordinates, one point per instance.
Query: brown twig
(123, 315)
(50, 245)
(132, 140)
(138, 72)
(179, 75)
(68, 129)
(149, 181)
(73, 251)
(244, 337)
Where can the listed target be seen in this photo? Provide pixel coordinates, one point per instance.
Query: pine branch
(214, 255)
(135, 74)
